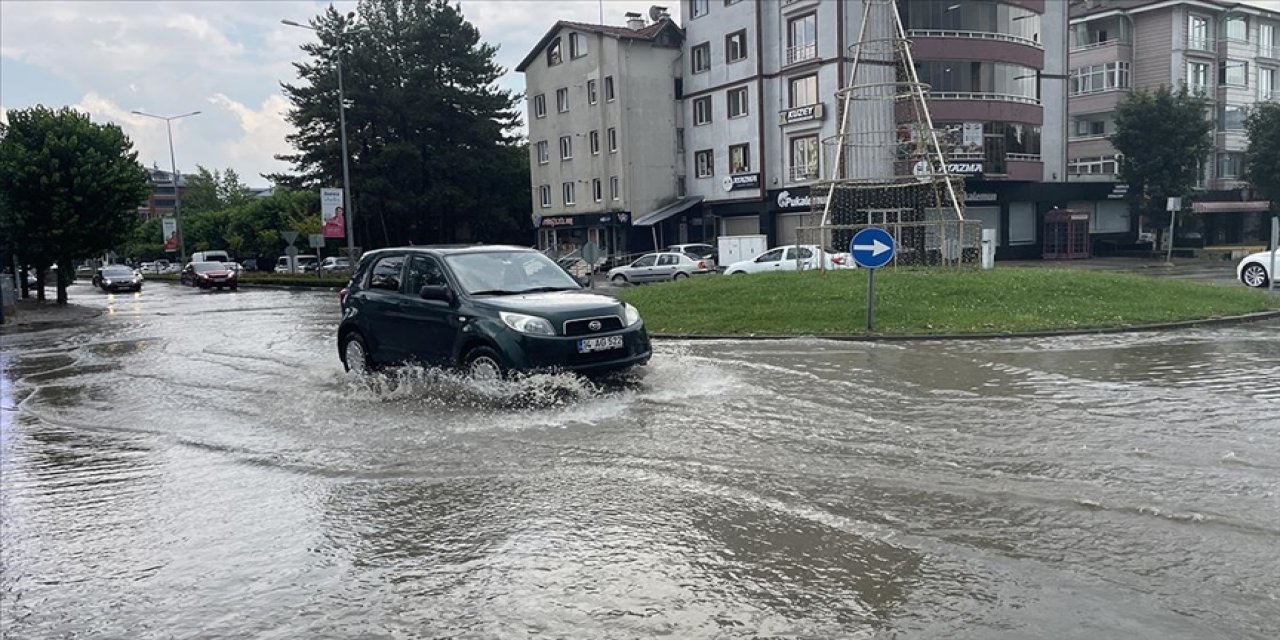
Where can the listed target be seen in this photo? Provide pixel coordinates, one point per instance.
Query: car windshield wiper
(495, 292)
(544, 289)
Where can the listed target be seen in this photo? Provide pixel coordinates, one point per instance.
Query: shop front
(568, 233)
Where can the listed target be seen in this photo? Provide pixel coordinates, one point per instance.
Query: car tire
(484, 364)
(355, 348)
(1254, 275)
(233, 287)
(619, 280)
(679, 275)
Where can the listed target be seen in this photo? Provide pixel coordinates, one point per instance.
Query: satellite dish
(656, 13)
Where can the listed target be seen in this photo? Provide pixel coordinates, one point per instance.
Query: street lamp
(173, 163)
(342, 127)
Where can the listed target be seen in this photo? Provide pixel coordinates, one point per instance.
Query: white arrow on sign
(876, 247)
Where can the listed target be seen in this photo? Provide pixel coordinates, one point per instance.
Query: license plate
(588, 345)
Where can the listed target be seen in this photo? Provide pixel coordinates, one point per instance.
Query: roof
(648, 33)
(452, 249)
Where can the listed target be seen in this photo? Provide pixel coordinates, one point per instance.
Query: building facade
(1226, 50)
(603, 128)
(163, 200)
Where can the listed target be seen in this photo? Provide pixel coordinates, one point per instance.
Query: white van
(210, 256)
(297, 264)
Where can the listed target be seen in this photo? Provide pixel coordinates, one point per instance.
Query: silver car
(657, 267)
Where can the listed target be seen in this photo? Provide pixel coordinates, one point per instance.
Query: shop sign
(923, 168)
(787, 201)
(980, 197)
(557, 221)
(741, 181)
(801, 114)
(606, 219)
(624, 217)
(971, 134)
(1118, 192)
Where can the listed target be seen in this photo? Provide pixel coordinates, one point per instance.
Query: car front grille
(582, 326)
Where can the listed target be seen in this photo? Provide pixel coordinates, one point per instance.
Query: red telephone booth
(1066, 234)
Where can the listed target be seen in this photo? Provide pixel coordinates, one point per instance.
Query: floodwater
(196, 465)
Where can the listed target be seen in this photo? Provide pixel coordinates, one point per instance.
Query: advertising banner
(332, 214)
(170, 234)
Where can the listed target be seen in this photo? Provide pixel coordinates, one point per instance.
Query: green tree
(1164, 138)
(1262, 157)
(71, 189)
(435, 158)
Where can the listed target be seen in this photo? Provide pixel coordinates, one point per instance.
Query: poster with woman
(169, 227)
(332, 214)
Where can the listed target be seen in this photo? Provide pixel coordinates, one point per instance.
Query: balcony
(1090, 46)
(1268, 52)
(1202, 44)
(972, 35)
(802, 53)
(984, 97)
(803, 173)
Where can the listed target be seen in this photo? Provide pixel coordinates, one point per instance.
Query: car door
(378, 303)
(666, 267)
(767, 261)
(642, 269)
(430, 326)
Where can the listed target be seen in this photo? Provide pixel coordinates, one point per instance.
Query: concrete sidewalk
(1195, 269)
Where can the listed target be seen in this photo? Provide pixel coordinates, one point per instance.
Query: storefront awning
(1230, 207)
(654, 217)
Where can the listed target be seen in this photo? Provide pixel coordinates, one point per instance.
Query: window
(680, 140)
(1230, 165)
(979, 17)
(425, 271)
(668, 259)
(386, 273)
(699, 8)
(737, 102)
(739, 158)
(595, 142)
(1099, 77)
(1098, 165)
(1198, 76)
(1267, 41)
(1238, 28)
(731, 2)
(553, 53)
(803, 91)
(646, 261)
(566, 191)
(1234, 72)
(702, 110)
(544, 194)
(540, 106)
(802, 38)
(1266, 83)
(1231, 118)
(566, 147)
(704, 163)
(577, 45)
(614, 191)
(562, 100)
(1005, 80)
(1091, 128)
(1198, 32)
(735, 46)
(804, 158)
(608, 88)
(772, 256)
(544, 155)
(613, 140)
(592, 98)
(681, 188)
(700, 57)
(597, 192)
(164, 203)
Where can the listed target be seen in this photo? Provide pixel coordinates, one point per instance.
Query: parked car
(657, 267)
(85, 271)
(117, 277)
(489, 310)
(335, 265)
(1255, 269)
(171, 268)
(698, 251)
(207, 275)
(249, 265)
(296, 264)
(791, 258)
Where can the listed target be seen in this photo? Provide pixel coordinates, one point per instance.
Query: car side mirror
(436, 292)
(582, 280)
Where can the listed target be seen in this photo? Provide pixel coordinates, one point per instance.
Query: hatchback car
(207, 275)
(333, 265)
(791, 258)
(1255, 269)
(490, 310)
(117, 277)
(658, 267)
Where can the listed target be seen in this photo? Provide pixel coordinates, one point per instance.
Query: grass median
(279, 279)
(932, 301)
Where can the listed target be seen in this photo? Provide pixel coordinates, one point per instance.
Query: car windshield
(201, 267)
(117, 272)
(509, 272)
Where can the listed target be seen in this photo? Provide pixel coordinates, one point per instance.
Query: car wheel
(1254, 275)
(355, 354)
(233, 287)
(483, 363)
(679, 275)
(619, 280)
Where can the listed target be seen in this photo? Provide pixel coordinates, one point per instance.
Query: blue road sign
(872, 247)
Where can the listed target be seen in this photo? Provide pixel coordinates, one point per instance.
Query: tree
(1262, 157)
(434, 155)
(71, 189)
(1164, 138)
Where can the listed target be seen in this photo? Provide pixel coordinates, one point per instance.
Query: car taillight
(702, 264)
(342, 296)
(837, 259)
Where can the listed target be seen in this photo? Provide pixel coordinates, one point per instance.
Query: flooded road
(196, 465)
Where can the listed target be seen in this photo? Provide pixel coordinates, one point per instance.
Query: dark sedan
(209, 275)
(116, 278)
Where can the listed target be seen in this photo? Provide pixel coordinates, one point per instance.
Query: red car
(209, 274)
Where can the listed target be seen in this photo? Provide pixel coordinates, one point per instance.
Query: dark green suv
(488, 309)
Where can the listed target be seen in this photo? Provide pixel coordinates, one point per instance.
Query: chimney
(634, 21)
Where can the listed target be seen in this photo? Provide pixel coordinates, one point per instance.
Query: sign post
(1275, 246)
(291, 251)
(1172, 205)
(591, 254)
(871, 248)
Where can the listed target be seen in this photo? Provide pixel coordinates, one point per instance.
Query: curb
(925, 337)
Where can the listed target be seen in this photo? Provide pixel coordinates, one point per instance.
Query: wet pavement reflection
(196, 464)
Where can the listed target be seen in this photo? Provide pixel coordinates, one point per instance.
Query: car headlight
(532, 325)
(630, 314)
(107, 282)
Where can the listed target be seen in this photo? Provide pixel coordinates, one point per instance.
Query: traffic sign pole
(872, 248)
(871, 300)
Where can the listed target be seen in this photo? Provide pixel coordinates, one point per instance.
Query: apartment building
(604, 128)
(1227, 50)
(163, 199)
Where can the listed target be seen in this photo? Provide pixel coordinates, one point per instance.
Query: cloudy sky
(224, 58)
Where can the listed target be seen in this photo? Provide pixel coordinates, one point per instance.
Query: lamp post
(173, 163)
(342, 133)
